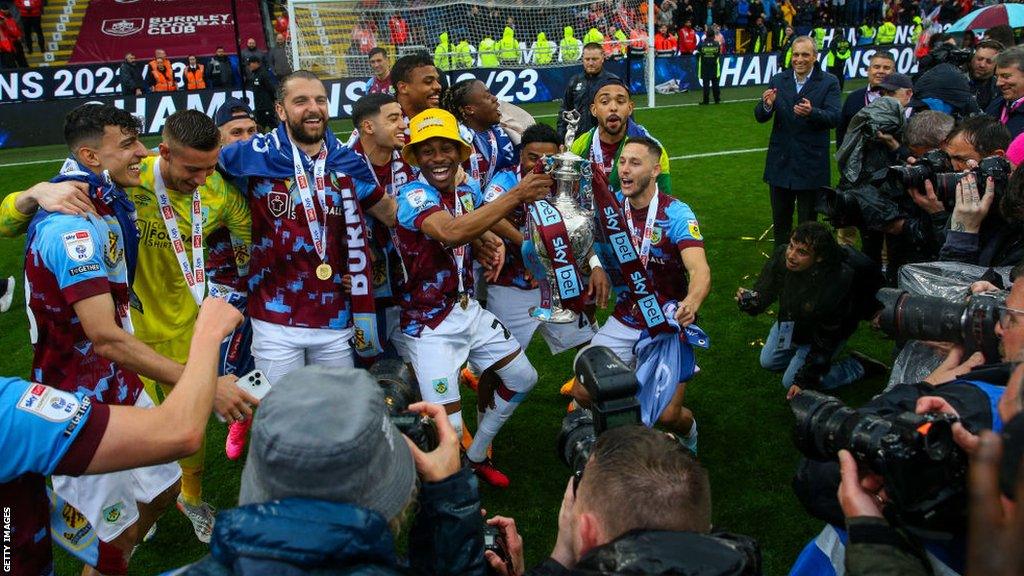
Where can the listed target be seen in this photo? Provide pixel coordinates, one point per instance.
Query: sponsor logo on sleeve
(694, 229)
(84, 269)
(417, 197)
(48, 403)
(78, 245)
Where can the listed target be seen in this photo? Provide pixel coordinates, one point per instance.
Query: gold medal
(323, 271)
(464, 300)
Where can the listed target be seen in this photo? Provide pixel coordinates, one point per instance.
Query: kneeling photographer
(824, 291)
(910, 445)
(638, 502)
(330, 480)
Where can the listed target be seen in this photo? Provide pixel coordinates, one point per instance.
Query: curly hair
(456, 97)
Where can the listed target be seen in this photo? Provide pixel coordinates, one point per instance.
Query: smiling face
(638, 168)
(237, 130)
(612, 107)
(118, 152)
(304, 110)
(439, 160)
(878, 69)
(1010, 81)
(804, 57)
(423, 90)
(185, 168)
(388, 127)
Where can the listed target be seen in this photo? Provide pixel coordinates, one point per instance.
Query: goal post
(333, 37)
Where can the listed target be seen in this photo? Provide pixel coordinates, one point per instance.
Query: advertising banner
(20, 125)
(112, 28)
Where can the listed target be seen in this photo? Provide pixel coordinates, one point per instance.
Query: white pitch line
(667, 106)
(673, 158)
(31, 162)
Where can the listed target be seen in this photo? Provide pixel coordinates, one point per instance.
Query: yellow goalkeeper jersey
(164, 309)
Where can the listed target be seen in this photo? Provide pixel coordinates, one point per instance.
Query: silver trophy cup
(574, 200)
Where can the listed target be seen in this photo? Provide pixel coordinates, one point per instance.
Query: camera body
(924, 169)
(923, 470)
(612, 387)
(749, 301)
(996, 167)
(971, 324)
(400, 390)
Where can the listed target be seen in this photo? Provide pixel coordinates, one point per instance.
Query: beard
(302, 134)
(641, 185)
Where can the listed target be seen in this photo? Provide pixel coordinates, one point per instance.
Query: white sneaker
(7, 296)
(201, 517)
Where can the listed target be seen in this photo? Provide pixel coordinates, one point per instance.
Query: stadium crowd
(327, 296)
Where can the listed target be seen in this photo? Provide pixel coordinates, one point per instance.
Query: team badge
(49, 403)
(112, 255)
(467, 202)
(417, 197)
(694, 230)
(440, 385)
(78, 245)
(277, 203)
(655, 234)
(111, 514)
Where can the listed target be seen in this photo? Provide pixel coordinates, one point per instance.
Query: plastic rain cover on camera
(948, 280)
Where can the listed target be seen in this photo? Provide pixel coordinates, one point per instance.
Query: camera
(923, 470)
(400, 390)
(927, 166)
(749, 301)
(494, 541)
(972, 323)
(996, 167)
(612, 387)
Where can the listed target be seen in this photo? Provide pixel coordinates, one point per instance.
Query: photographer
(978, 399)
(641, 506)
(824, 291)
(982, 72)
(330, 481)
(942, 83)
(977, 233)
(1007, 107)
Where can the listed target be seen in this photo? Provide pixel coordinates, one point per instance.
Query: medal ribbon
(317, 232)
(643, 244)
(1004, 116)
(620, 259)
(195, 275)
(459, 252)
(474, 160)
(389, 189)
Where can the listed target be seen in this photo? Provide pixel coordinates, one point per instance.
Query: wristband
(594, 262)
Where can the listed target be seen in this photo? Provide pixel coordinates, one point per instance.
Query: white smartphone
(254, 383)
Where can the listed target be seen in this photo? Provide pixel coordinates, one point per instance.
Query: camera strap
(620, 259)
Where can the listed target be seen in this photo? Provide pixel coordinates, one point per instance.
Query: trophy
(573, 200)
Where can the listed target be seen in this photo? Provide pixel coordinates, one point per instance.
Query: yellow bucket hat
(434, 123)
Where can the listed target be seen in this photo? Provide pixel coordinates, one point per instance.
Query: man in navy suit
(804, 101)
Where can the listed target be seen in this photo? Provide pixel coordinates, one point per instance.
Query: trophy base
(554, 316)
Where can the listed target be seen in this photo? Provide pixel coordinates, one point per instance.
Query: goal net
(333, 37)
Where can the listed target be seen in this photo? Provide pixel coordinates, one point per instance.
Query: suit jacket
(854, 103)
(1015, 123)
(799, 148)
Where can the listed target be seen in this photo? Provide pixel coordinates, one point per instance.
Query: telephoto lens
(972, 323)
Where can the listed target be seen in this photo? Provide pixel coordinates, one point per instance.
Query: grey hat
(323, 433)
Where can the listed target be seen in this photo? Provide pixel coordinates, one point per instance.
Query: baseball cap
(231, 109)
(894, 82)
(323, 433)
(434, 123)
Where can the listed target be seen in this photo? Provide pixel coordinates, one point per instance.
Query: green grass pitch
(744, 422)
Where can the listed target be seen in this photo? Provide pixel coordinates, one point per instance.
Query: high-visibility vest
(164, 80)
(488, 53)
(194, 79)
(886, 33)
